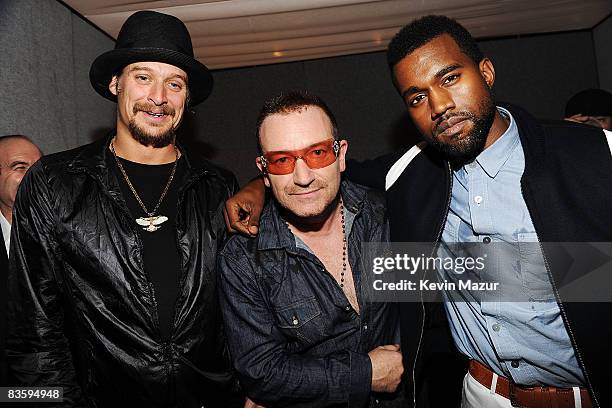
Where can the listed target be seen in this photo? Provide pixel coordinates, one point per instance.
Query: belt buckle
(512, 395)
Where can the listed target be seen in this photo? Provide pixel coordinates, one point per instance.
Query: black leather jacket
(82, 313)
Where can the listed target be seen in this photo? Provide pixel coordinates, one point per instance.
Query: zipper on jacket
(563, 315)
(436, 241)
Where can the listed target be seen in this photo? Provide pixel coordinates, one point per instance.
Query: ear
(112, 86)
(487, 70)
(342, 155)
(262, 170)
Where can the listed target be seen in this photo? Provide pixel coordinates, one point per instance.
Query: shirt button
(515, 364)
(365, 327)
(486, 240)
(496, 327)
(478, 199)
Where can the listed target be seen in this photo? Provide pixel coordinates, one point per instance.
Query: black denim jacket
(293, 336)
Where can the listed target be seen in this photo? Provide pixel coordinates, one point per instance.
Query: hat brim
(106, 65)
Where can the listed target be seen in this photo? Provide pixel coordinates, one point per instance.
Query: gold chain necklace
(151, 222)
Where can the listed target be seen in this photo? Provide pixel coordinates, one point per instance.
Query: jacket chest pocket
(299, 320)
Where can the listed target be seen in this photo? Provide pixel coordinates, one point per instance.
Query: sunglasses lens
(321, 156)
(280, 163)
(316, 157)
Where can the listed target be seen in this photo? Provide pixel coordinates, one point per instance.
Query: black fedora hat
(156, 37)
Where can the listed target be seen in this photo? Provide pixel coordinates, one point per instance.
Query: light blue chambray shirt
(525, 341)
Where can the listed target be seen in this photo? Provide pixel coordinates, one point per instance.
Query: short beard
(148, 139)
(474, 142)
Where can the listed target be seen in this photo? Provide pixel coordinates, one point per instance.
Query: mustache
(315, 185)
(144, 107)
(444, 121)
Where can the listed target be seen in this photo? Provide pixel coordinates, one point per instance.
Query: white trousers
(476, 395)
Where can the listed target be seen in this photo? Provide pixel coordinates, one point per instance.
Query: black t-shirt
(160, 252)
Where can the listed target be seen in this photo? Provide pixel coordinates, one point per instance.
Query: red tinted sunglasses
(315, 156)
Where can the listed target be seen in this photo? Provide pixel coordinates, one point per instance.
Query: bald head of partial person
(17, 154)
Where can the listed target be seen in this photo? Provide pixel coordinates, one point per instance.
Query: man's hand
(242, 211)
(250, 404)
(387, 367)
(587, 120)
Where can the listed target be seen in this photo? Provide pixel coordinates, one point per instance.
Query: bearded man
(112, 283)
(491, 174)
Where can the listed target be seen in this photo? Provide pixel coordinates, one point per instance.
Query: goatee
(154, 140)
(473, 143)
(145, 138)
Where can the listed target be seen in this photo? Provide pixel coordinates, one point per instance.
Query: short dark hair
(421, 31)
(590, 102)
(293, 101)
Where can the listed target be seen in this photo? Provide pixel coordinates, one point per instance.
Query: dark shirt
(294, 338)
(159, 248)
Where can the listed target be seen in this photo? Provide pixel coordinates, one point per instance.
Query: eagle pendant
(151, 224)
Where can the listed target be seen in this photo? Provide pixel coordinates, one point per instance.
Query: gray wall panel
(94, 114)
(42, 73)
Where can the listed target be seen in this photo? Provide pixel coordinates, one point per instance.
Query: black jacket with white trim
(567, 186)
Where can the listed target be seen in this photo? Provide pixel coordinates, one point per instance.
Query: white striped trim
(609, 138)
(577, 398)
(399, 166)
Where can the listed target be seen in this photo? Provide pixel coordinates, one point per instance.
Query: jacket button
(295, 321)
(348, 308)
(486, 240)
(515, 364)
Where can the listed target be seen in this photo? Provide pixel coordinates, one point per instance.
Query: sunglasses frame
(335, 148)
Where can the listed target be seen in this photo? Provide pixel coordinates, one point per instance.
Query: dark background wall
(539, 72)
(602, 38)
(47, 51)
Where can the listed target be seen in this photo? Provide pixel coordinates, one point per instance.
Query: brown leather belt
(529, 397)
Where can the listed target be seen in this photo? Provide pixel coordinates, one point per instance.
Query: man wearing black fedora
(113, 286)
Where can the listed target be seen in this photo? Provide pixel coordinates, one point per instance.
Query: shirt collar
(273, 231)
(492, 159)
(6, 231)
